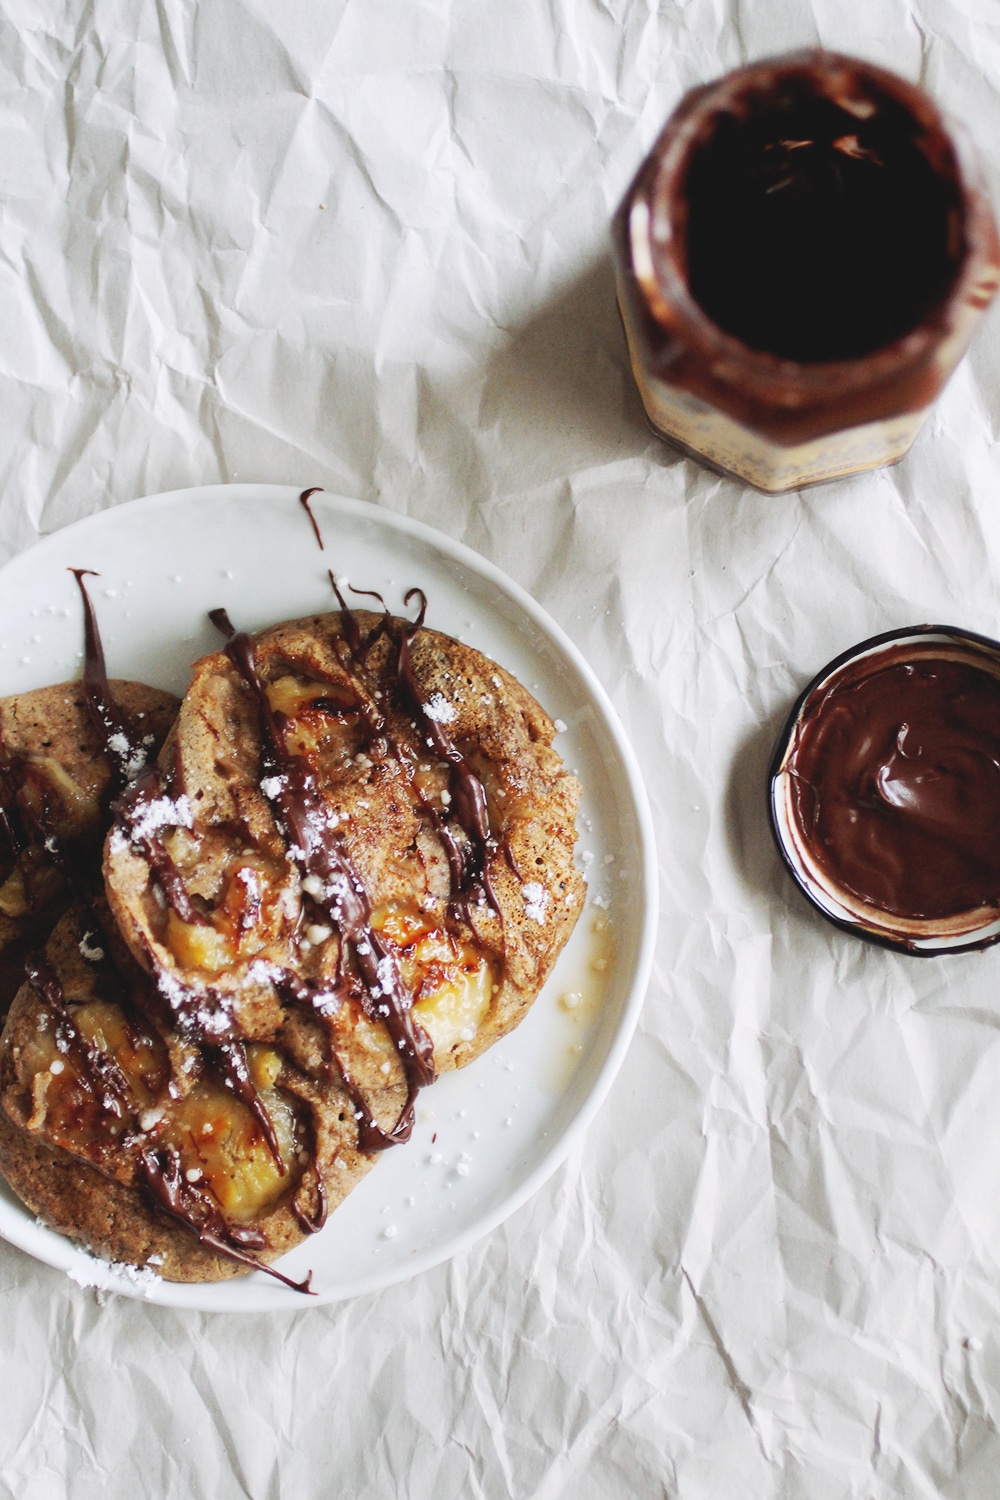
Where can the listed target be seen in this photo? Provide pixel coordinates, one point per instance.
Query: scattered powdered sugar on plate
(90, 1271)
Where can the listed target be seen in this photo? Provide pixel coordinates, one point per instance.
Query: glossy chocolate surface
(815, 234)
(894, 780)
(160, 1169)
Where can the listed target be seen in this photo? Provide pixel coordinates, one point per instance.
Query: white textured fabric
(363, 244)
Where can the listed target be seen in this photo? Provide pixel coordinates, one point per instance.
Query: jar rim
(656, 231)
(924, 937)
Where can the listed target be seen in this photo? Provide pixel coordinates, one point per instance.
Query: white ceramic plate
(488, 1136)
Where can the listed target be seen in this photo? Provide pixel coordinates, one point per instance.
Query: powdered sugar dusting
(162, 812)
(90, 1271)
(90, 949)
(132, 758)
(536, 901)
(440, 710)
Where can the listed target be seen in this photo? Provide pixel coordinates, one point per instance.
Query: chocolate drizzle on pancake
(467, 792)
(159, 1166)
(467, 867)
(201, 1019)
(193, 1208)
(10, 818)
(101, 1074)
(320, 852)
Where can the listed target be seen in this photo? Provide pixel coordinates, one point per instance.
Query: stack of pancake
(252, 925)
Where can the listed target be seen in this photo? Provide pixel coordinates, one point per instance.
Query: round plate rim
(197, 1296)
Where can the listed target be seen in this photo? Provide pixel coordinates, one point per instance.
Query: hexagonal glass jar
(801, 260)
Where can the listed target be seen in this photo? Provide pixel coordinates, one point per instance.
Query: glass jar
(801, 260)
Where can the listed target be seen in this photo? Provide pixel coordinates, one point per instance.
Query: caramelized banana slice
(323, 775)
(202, 1160)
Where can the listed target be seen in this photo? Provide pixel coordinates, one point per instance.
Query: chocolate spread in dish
(894, 775)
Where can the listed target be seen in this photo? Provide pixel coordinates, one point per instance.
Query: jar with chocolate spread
(884, 790)
(800, 262)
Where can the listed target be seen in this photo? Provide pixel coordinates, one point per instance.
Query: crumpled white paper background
(364, 244)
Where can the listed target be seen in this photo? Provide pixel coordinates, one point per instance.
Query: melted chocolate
(159, 1166)
(139, 786)
(196, 1210)
(25, 822)
(129, 809)
(895, 781)
(468, 796)
(100, 1072)
(304, 499)
(10, 819)
(468, 868)
(125, 750)
(320, 852)
(315, 1224)
(231, 1062)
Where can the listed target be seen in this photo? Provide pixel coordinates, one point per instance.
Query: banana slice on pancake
(359, 843)
(198, 1161)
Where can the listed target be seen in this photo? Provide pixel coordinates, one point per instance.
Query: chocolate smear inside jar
(820, 228)
(887, 795)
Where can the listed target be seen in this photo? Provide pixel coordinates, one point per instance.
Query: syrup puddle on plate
(580, 986)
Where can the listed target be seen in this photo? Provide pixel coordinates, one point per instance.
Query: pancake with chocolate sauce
(350, 869)
(357, 848)
(125, 1135)
(55, 780)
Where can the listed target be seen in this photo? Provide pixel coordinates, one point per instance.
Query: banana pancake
(56, 776)
(357, 848)
(199, 1161)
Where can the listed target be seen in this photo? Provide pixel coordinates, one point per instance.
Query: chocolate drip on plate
(304, 499)
(125, 750)
(170, 1189)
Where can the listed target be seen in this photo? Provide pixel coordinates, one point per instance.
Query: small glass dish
(865, 916)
